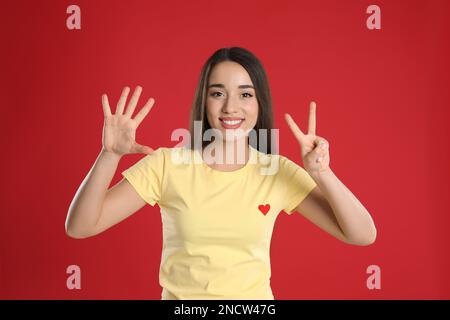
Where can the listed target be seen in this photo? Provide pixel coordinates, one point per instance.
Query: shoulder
(270, 156)
(159, 157)
(274, 164)
(166, 152)
(173, 156)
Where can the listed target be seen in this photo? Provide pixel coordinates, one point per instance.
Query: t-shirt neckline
(228, 174)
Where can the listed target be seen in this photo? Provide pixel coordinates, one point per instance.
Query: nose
(230, 105)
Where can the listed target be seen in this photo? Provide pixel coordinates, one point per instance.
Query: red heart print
(264, 208)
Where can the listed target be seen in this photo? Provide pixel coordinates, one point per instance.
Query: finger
(144, 111)
(139, 148)
(321, 149)
(106, 107)
(294, 128)
(312, 118)
(122, 100)
(323, 157)
(133, 101)
(321, 143)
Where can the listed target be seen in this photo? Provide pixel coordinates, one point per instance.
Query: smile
(231, 123)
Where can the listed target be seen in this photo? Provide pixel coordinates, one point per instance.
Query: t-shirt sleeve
(297, 184)
(146, 176)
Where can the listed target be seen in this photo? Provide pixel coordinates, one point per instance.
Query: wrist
(320, 174)
(110, 155)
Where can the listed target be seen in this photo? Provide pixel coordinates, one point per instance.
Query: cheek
(252, 113)
(212, 106)
(212, 113)
(209, 109)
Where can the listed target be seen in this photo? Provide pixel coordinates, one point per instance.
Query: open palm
(119, 130)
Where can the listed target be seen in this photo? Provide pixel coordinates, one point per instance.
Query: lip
(229, 126)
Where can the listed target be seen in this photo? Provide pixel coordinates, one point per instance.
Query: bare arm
(333, 208)
(85, 208)
(94, 208)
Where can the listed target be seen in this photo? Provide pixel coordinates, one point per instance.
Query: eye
(213, 94)
(249, 94)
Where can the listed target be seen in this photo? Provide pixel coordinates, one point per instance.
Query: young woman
(219, 200)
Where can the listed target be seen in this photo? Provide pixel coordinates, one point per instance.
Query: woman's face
(231, 103)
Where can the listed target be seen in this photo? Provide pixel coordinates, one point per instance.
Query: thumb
(318, 142)
(138, 148)
(321, 146)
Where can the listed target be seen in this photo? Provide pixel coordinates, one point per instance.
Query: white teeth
(232, 122)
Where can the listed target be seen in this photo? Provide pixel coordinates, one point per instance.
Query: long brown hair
(260, 82)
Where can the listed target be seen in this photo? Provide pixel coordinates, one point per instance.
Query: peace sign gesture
(314, 149)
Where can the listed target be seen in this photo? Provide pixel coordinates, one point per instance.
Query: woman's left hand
(314, 149)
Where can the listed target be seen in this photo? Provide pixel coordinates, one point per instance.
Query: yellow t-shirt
(217, 225)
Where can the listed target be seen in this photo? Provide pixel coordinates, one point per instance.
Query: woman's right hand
(119, 130)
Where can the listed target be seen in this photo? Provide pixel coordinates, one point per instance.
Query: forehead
(229, 73)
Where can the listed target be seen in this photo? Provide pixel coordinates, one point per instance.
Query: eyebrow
(220, 85)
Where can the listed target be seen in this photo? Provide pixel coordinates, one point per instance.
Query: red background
(382, 103)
